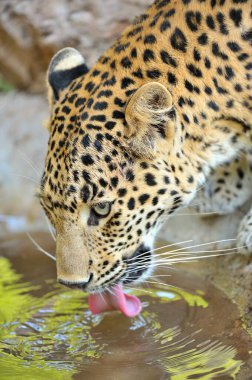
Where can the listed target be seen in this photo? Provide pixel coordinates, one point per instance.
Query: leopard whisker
(171, 261)
(142, 290)
(160, 275)
(185, 259)
(171, 253)
(158, 248)
(110, 291)
(203, 244)
(50, 228)
(27, 160)
(102, 296)
(195, 252)
(128, 271)
(163, 284)
(156, 282)
(143, 258)
(198, 214)
(26, 177)
(40, 249)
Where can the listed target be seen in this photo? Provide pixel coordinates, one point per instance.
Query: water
(187, 331)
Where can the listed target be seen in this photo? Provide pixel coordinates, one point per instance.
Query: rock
(23, 144)
(32, 31)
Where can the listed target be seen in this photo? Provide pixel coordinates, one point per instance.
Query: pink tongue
(129, 305)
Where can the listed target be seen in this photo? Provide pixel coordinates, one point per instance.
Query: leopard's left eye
(102, 209)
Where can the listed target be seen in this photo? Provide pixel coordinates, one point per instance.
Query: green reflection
(181, 357)
(42, 338)
(51, 337)
(207, 361)
(174, 294)
(184, 359)
(15, 368)
(15, 300)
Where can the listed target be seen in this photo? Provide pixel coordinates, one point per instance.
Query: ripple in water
(186, 331)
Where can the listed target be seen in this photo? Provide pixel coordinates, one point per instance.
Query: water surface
(188, 330)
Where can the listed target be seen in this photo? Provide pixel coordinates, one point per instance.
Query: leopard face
(105, 198)
(130, 142)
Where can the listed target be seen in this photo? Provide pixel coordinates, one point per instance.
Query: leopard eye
(102, 209)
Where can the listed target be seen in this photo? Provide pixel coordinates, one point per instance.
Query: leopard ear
(147, 116)
(65, 66)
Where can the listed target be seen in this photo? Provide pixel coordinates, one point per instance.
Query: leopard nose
(76, 285)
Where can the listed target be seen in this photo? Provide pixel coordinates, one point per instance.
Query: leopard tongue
(128, 304)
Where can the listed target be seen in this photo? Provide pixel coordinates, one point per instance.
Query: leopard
(228, 189)
(137, 136)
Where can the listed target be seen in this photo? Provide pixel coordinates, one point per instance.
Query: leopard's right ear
(65, 66)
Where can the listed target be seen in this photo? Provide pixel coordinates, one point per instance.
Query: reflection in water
(54, 336)
(181, 357)
(40, 337)
(207, 360)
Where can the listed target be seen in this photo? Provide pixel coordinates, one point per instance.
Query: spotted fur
(141, 131)
(227, 188)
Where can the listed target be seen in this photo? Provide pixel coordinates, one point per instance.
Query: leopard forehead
(199, 51)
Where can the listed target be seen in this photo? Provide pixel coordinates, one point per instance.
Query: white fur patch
(70, 59)
(84, 214)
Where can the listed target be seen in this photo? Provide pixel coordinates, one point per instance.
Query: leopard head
(115, 170)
